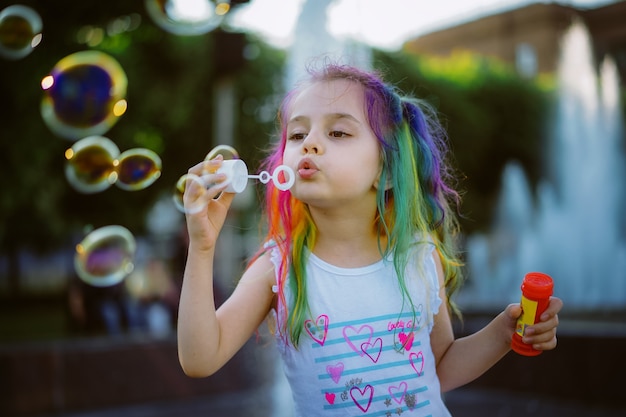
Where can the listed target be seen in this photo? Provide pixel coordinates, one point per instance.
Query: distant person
(359, 261)
(96, 310)
(157, 297)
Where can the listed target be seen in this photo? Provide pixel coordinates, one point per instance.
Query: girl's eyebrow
(332, 116)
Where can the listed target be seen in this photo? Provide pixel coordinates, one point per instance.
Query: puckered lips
(307, 168)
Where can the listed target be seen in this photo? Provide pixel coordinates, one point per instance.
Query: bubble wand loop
(237, 176)
(264, 177)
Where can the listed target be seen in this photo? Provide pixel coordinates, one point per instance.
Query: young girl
(358, 264)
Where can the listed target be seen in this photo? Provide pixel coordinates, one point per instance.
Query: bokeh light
(137, 169)
(105, 256)
(20, 31)
(84, 95)
(90, 166)
(187, 17)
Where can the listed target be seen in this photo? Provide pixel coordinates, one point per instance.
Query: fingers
(226, 198)
(207, 171)
(556, 304)
(200, 190)
(541, 341)
(203, 184)
(542, 335)
(513, 311)
(207, 166)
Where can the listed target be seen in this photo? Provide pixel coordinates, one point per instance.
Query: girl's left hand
(542, 335)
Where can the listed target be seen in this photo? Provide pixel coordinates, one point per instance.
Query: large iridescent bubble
(187, 17)
(105, 256)
(84, 95)
(20, 31)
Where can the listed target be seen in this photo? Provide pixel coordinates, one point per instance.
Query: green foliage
(170, 111)
(260, 89)
(492, 116)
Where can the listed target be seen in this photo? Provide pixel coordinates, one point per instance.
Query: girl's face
(331, 147)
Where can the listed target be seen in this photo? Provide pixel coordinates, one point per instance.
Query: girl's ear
(388, 183)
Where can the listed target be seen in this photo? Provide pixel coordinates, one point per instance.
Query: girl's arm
(207, 338)
(462, 360)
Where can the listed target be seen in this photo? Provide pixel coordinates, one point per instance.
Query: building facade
(529, 37)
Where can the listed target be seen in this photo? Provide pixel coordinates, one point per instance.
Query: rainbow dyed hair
(417, 203)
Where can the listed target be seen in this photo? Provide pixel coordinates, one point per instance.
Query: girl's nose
(311, 144)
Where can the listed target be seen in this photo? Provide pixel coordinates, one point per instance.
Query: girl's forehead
(335, 94)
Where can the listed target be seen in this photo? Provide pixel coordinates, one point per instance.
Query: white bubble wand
(237, 177)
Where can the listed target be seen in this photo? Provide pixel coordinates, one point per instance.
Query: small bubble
(227, 151)
(137, 169)
(90, 166)
(187, 17)
(20, 31)
(198, 202)
(105, 256)
(94, 164)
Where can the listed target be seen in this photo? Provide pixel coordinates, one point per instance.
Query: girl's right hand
(204, 225)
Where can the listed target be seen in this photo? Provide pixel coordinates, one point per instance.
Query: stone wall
(67, 376)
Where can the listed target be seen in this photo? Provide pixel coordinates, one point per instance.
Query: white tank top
(365, 352)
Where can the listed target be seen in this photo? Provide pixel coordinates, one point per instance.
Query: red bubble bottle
(536, 291)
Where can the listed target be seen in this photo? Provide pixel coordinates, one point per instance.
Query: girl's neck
(347, 241)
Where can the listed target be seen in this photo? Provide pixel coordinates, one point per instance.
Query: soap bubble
(187, 17)
(20, 31)
(137, 169)
(84, 95)
(105, 257)
(90, 166)
(179, 191)
(227, 152)
(94, 164)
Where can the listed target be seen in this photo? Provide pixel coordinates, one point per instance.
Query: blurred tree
(491, 116)
(170, 83)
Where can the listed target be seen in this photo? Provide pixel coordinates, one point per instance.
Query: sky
(383, 24)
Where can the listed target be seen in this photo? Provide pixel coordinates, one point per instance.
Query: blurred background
(107, 105)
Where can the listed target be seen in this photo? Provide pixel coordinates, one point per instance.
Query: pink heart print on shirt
(321, 325)
(372, 350)
(406, 341)
(362, 397)
(417, 361)
(350, 334)
(330, 397)
(335, 371)
(398, 393)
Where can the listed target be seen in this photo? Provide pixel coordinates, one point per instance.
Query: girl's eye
(297, 136)
(338, 134)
